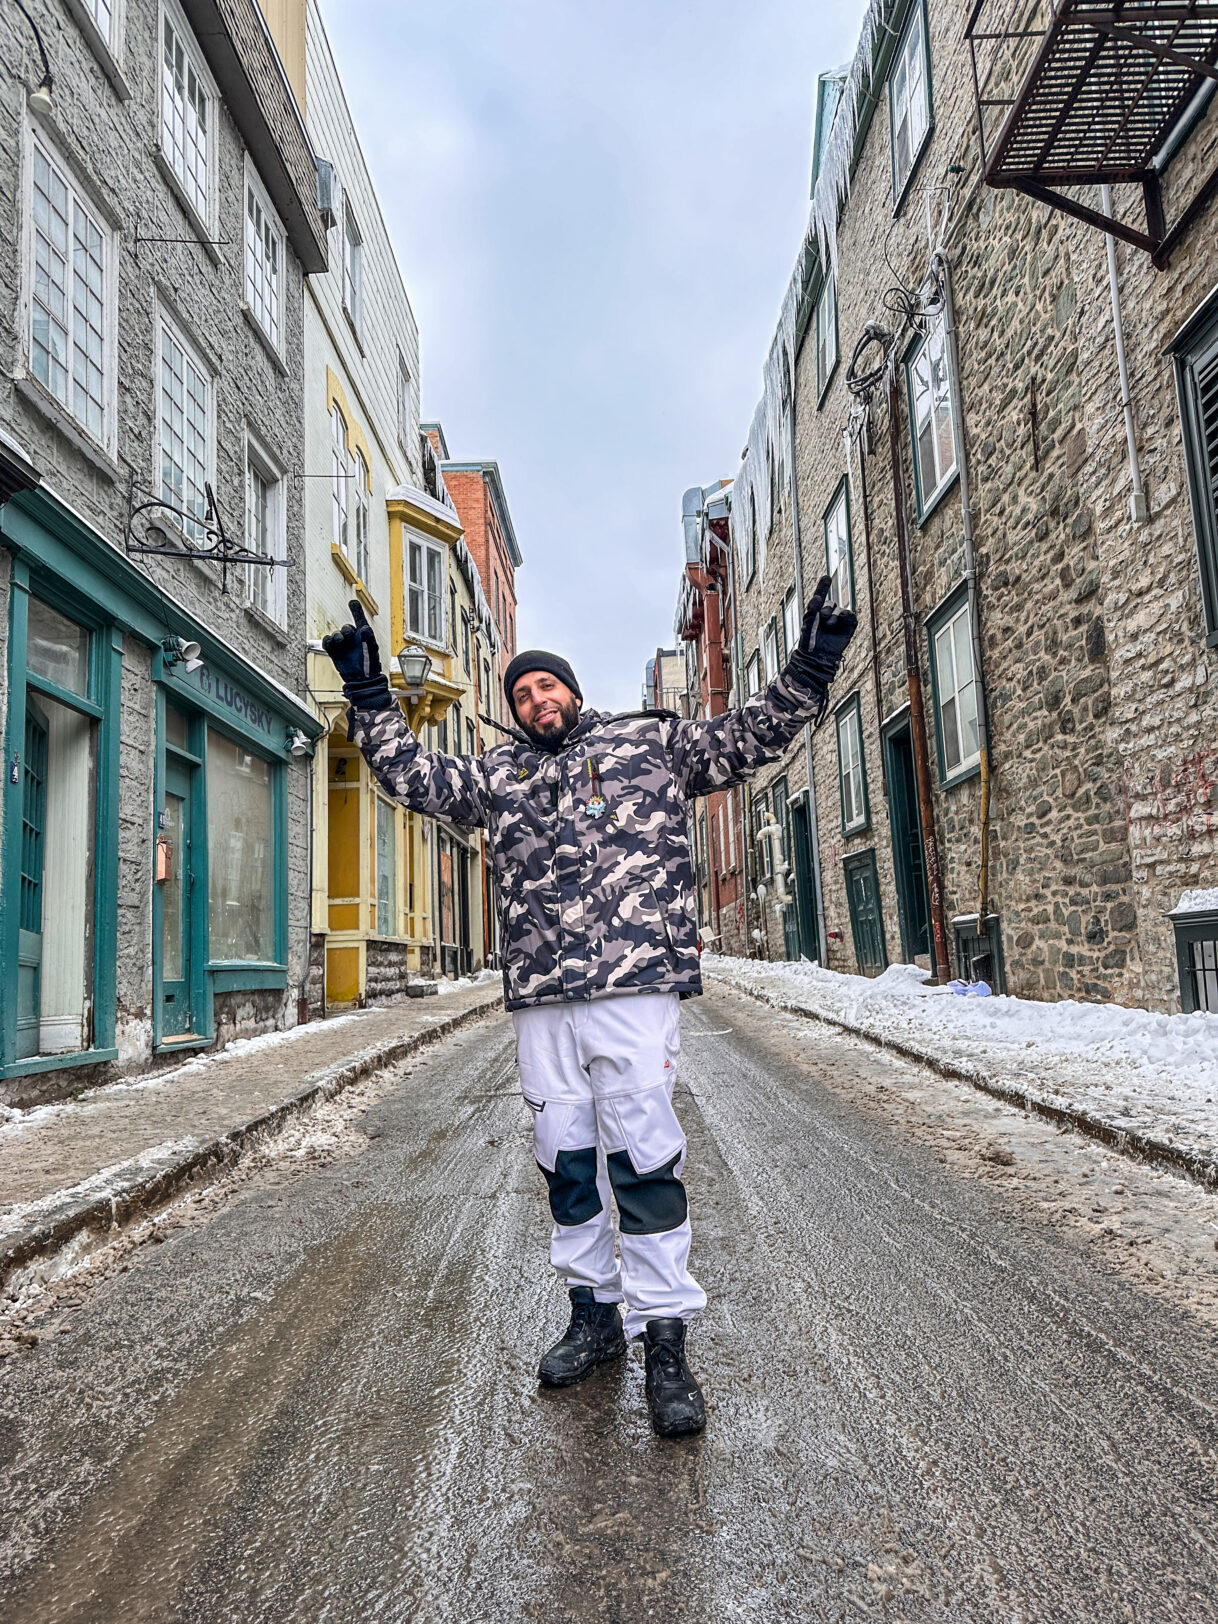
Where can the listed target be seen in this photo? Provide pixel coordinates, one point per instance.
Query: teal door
(175, 878)
(33, 856)
(805, 895)
(913, 901)
(866, 921)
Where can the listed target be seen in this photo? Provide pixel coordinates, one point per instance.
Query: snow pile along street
(1136, 1072)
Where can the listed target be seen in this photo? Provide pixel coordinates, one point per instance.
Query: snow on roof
(1193, 902)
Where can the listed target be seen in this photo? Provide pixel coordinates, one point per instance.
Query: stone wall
(1102, 700)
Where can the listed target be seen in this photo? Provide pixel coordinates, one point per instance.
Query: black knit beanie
(536, 659)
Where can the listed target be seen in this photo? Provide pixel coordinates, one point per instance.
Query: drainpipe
(875, 636)
(813, 826)
(942, 265)
(732, 695)
(1137, 497)
(917, 712)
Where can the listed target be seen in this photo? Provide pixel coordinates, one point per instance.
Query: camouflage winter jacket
(590, 846)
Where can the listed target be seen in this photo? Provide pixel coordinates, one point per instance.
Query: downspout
(917, 711)
(875, 636)
(1137, 496)
(801, 600)
(942, 265)
(742, 881)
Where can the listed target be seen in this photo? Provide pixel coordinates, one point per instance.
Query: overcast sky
(596, 205)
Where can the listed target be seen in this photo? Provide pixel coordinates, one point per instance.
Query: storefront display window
(240, 868)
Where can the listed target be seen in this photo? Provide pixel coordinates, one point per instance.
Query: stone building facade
(160, 214)
(1085, 633)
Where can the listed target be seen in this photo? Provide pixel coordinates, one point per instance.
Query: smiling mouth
(545, 717)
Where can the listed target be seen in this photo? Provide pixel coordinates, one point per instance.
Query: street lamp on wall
(40, 99)
(415, 665)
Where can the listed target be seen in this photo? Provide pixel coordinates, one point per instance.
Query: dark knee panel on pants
(574, 1197)
(647, 1203)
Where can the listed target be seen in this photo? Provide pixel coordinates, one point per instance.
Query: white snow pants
(599, 1075)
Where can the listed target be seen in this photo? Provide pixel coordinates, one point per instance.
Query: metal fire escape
(1089, 93)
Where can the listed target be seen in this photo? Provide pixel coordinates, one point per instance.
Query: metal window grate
(1203, 971)
(1086, 93)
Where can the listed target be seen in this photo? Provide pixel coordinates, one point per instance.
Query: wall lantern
(177, 651)
(415, 665)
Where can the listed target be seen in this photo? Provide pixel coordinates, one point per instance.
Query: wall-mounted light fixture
(177, 651)
(297, 743)
(40, 99)
(415, 665)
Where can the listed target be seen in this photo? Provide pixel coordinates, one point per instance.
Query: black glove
(822, 643)
(358, 661)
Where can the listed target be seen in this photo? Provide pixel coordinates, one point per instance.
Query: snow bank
(1134, 1069)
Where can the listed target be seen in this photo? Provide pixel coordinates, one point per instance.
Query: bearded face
(546, 708)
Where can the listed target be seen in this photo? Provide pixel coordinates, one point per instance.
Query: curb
(144, 1192)
(1194, 1164)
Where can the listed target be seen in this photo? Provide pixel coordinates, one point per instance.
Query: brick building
(1017, 777)
(160, 214)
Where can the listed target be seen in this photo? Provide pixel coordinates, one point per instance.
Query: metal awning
(1088, 93)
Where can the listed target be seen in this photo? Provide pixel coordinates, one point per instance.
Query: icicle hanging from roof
(833, 178)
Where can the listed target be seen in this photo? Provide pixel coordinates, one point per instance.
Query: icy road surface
(960, 1367)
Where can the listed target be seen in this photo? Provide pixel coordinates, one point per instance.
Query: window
(731, 835)
(909, 100)
(69, 273)
(750, 561)
(979, 953)
(404, 412)
(340, 473)
(102, 13)
(239, 853)
(442, 734)
(425, 596)
(386, 869)
(762, 845)
(353, 270)
(264, 534)
(1197, 957)
(263, 260)
(184, 448)
(838, 559)
(1197, 380)
(955, 694)
(753, 675)
(792, 624)
(721, 863)
(850, 767)
(186, 115)
(769, 651)
(361, 499)
(826, 335)
(465, 645)
(453, 624)
(471, 738)
(930, 418)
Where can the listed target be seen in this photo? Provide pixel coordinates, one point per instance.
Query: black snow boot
(673, 1396)
(594, 1336)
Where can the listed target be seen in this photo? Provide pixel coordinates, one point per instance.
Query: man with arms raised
(587, 819)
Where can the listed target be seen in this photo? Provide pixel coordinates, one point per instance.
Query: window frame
(928, 502)
(259, 460)
(790, 633)
(425, 545)
(900, 184)
(769, 640)
(170, 12)
(824, 377)
(840, 496)
(851, 709)
(361, 484)
(753, 662)
(1187, 929)
(253, 184)
(352, 269)
(80, 195)
(763, 850)
(341, 474)
(1197, 348)
(944, 615)
(405, 403)
(166, 323)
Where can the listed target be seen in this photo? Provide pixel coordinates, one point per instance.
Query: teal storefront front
(147, 822)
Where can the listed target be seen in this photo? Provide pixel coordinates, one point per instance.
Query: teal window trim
(924, 505)
(103, 704)
(241, 977)
(852, 706)
(279, 839)
(841, 493)
(1196, 357)
(900, 188)
(944, 611)
(1190, 928)
(56, 1062)
(823, 380)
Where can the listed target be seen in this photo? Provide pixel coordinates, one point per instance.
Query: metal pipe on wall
(818, 893)
(917, 710)
(942, 266)
(875, 637)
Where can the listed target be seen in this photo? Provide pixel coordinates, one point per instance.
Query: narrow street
(317, 1403)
